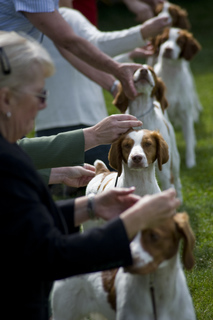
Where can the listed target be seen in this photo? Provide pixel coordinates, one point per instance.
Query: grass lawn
(196, 182)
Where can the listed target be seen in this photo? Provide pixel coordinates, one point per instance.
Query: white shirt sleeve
(111, 43)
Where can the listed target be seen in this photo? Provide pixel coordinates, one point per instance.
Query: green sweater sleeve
(61, 150)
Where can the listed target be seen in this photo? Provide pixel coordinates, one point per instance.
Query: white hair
(21, 58)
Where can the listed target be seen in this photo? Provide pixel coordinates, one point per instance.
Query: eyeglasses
(4, 61)
(42, 96)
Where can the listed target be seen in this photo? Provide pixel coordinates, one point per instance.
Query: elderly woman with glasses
(39, 239)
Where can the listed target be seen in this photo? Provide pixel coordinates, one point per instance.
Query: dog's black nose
(168, 52)
(143, 71)
(137, 158)
(168, 49)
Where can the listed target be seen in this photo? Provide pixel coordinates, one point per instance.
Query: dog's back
(104, 179)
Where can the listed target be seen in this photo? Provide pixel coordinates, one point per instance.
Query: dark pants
(100, 152)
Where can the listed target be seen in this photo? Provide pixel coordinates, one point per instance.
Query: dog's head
(138, 149)
(147, 83)
(178, 15)
(176, 43)
(153, 248)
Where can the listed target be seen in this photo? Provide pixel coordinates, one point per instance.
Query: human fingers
(116, 192)
(159, 207)
(123, 127)
(113, 202)
(110, 128)
(144, 14)
(121, 117)
(149, 211)
(86, 172)
(142, 52)
(125, 121)
(89, 167)
(84, 180)
(125, 75)
(126, 124)
(119, 124)
(155, 26)
(167, 199)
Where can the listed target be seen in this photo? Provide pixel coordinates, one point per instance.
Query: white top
(74, 99)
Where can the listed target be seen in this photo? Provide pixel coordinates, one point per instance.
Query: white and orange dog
(153, 288)
(133, 155)
(176, 48)
(149, 107)
(178, 17)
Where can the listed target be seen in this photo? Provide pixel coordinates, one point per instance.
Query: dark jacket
(38, 241)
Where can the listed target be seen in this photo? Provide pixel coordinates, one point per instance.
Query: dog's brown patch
(105, 174)
(107, 183)
(162, 243)
(108, 280)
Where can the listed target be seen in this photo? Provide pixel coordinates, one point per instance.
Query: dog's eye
(148, 144)
(154, 237)
(127, 146)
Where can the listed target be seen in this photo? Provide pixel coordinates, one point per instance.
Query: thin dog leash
(116, 181)
(152, 292)
(148, 111)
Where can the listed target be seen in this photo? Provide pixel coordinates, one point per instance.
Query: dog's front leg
(189, 136)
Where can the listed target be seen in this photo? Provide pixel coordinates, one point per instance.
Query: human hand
(125, 72)
(150, 211)
(155, 26)
(109, 129)
(140, 53)
(109, 204)
(142, 10)
(76, 176)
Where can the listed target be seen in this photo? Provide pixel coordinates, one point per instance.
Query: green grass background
(197, 183)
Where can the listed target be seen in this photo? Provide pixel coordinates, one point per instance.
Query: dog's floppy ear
(115, 156)
(179, 17)
(121, 101)
(159, 93)
(158, 40)
(182, 222)
(191, 46)
(162, 149)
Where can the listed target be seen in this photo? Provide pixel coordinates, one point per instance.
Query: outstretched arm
(59, 31)
(67, 149)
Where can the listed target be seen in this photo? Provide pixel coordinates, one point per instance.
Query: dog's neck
(144, 180)
(162, 283)
(169, 65)
(142, 106)
(164, 280)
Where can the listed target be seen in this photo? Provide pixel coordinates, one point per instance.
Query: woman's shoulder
(11, 155)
